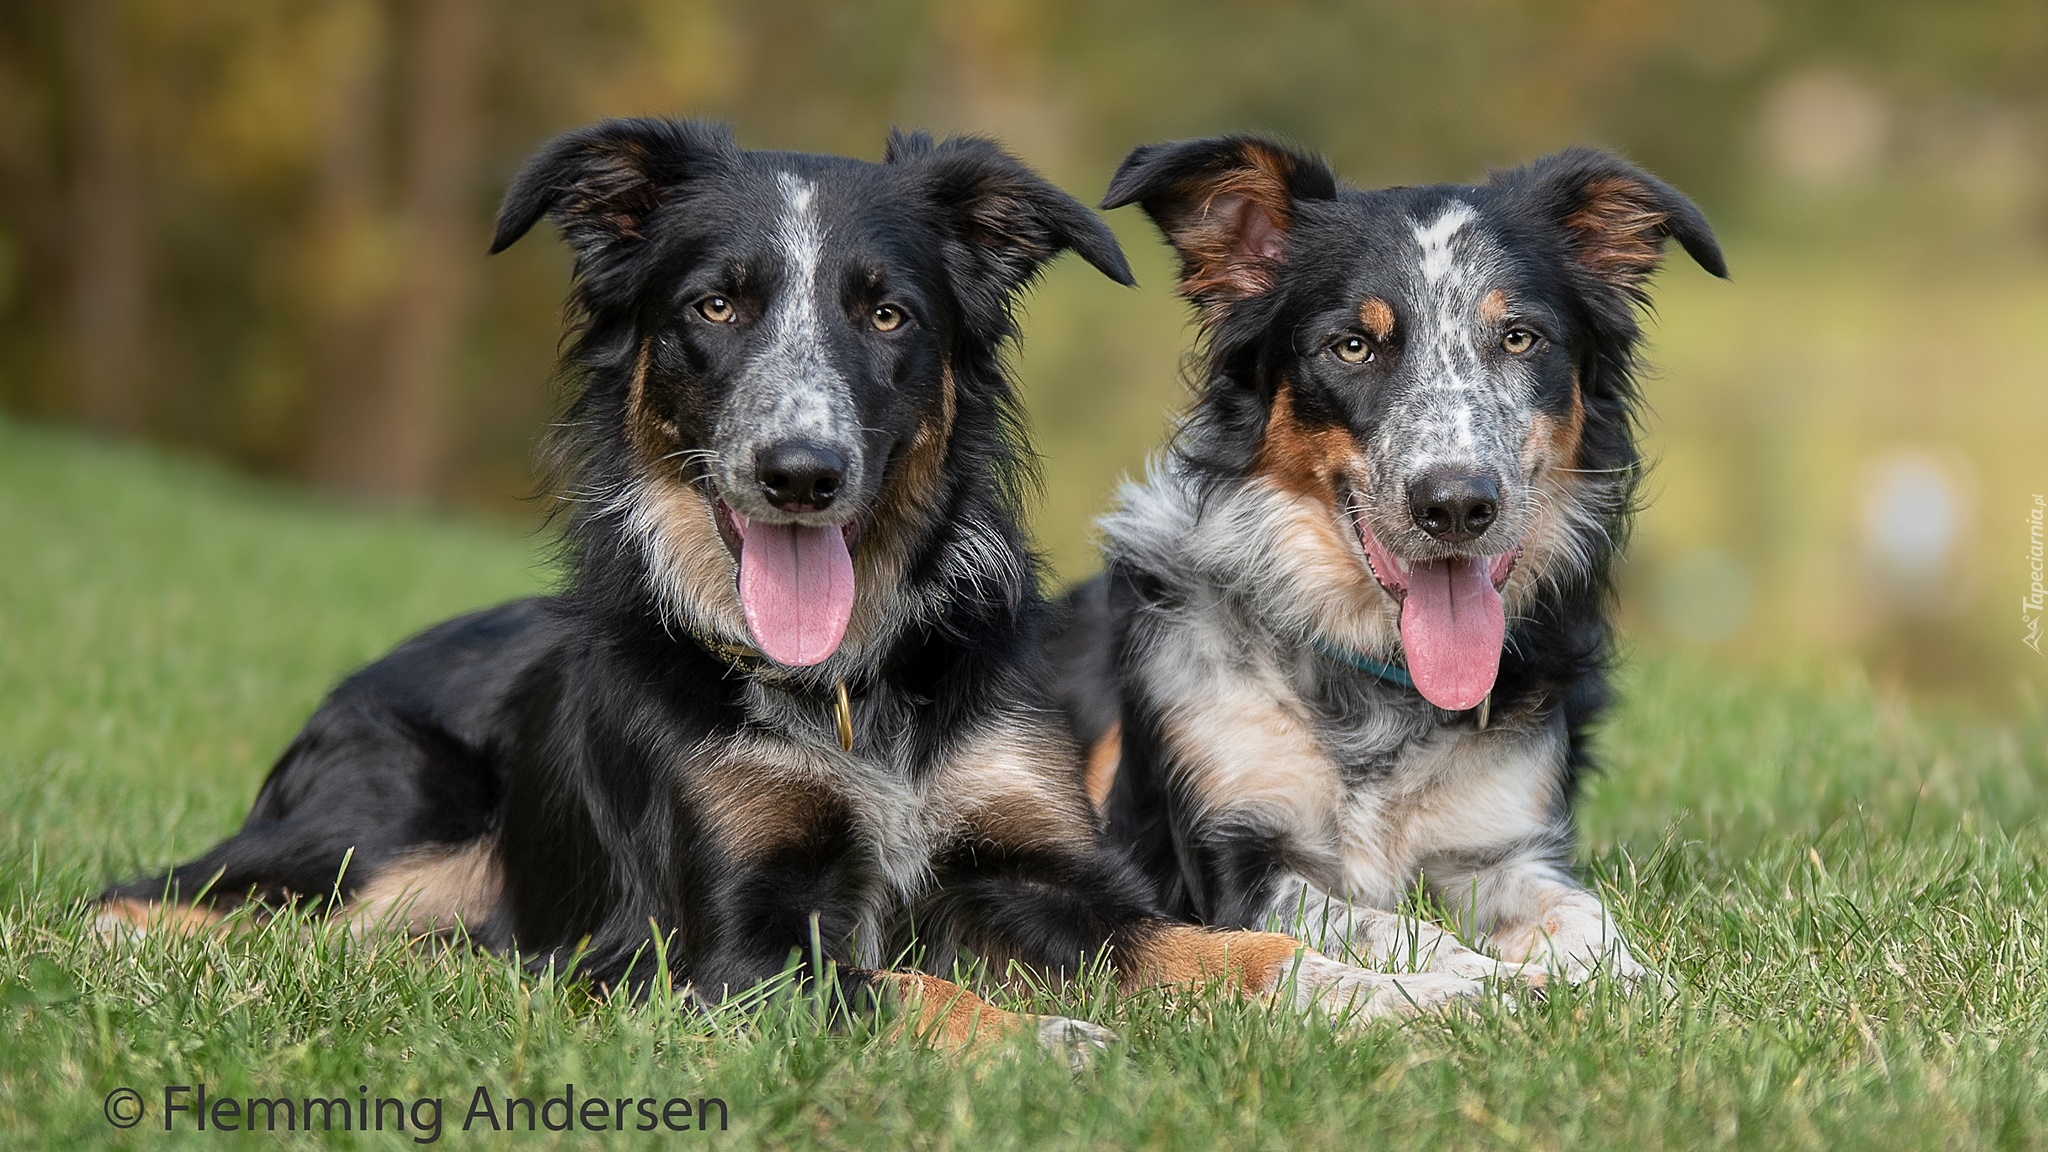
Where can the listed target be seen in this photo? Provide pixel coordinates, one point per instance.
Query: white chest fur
(1454, 795)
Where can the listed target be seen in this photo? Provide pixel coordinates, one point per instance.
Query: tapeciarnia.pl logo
(2034, 605)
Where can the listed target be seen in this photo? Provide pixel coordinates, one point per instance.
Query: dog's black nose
(799, 475)
(1454, 504)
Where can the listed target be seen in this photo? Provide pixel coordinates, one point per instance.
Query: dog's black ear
(599, 184)
(1614, 216)
(1227, 204)
(1008, 220)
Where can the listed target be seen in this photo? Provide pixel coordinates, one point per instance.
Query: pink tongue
(1452, 626)
(796, 587)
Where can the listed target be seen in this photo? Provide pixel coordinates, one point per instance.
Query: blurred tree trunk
(383, 427)
(108, 240)
(349, 273)
(436, 246)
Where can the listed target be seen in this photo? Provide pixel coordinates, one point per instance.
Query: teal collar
(1394, 674)
(1391, 673)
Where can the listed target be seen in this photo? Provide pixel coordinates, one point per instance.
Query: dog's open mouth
(795, 585)
(1452, 619)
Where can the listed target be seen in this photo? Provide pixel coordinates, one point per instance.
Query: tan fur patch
(1327, 569)
(1493, 307)
(1551, 456)
(689, 562)
(1377, 316)
(924, 462)
(1554, 444)
(652, 435)
(909, 506)
(759, 813)
(1104, 756)
(432, 890)
(945, 1015)
(1244, 752)
(175, 918)
(1014, 788)
(1620, 230)
(1303, 460)
(1254, 962)
(687, 559)
(616, 193)
(1209, 231)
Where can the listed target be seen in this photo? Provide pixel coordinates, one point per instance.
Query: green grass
(1850, 896)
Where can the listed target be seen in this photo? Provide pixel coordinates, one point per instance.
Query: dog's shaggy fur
(792, 431)
(1400, 385)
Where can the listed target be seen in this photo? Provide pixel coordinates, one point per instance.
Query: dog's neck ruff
(750, 661)
(1392, 674)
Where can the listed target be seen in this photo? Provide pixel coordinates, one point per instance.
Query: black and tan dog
(1355, 622)
(788, 695)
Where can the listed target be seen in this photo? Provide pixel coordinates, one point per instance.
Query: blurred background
(255, 232)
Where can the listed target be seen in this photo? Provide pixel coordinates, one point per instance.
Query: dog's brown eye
(1352, 350)
(1517, 341)
(886, 317)
(716, 309)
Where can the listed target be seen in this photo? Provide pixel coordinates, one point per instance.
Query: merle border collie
(1355, 621)
(787, 698)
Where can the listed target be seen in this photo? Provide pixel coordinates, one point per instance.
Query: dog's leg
(121, 916)
(1529, 909)
(1267, 964)
(1380, 939)
(945, 1015)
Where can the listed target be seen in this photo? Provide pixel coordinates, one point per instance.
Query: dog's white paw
(1457, 960)
(1623, 971)
(1077, 1041)
(1349, 993)
(1424, 993)
(1534, 976)
(1613, 966)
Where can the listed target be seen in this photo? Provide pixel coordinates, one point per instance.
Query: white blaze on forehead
(797, 391)
(800, 240)
(1435, 239)
(1455, 415)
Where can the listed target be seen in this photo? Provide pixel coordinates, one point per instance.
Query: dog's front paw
(1078, 1041)
(1424, 993)
(1577, 946)
(1619, 969)
(1457, 960)
(1612, 965)
(1349, 993)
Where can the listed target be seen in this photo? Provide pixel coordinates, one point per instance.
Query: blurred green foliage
(256, 231)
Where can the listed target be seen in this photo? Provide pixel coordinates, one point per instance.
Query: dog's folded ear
(1227, 204)
(1007, 219)
(1614, 217)
(599, 184)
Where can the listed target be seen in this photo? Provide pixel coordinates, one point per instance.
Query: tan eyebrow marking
(1377, 316)
(1493, 307)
